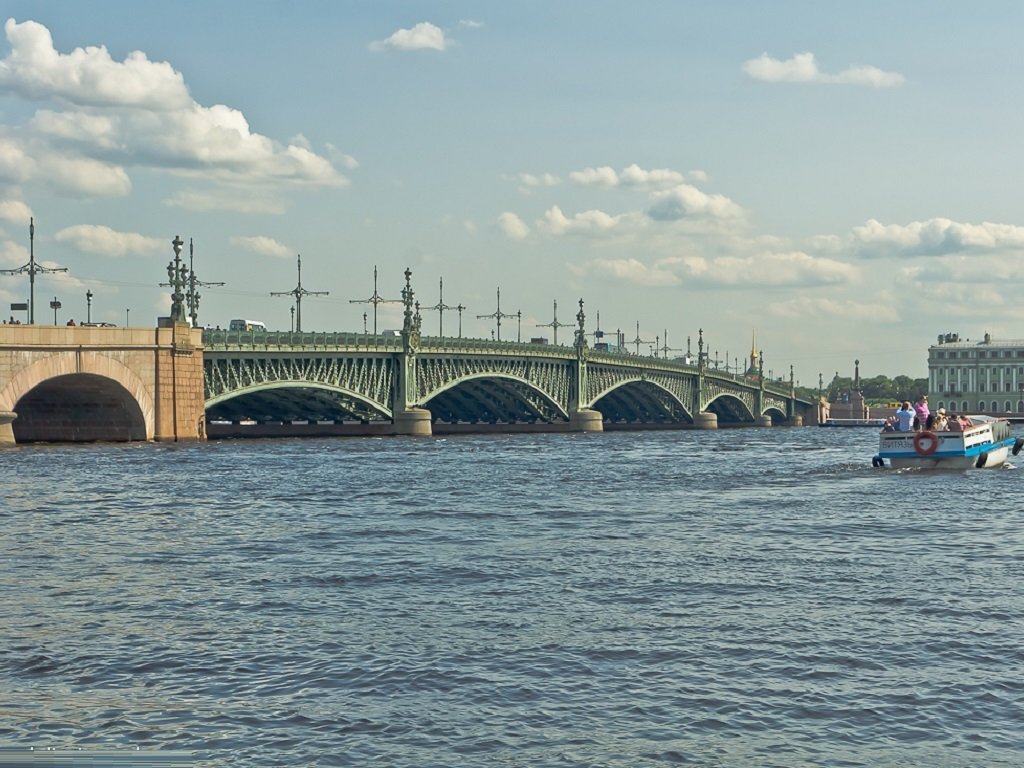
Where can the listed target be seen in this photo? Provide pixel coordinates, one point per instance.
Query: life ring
(926, 443)
(1017, 445)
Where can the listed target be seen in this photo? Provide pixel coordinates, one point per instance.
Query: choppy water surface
(735, 598)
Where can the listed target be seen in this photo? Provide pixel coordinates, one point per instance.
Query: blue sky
(840, 177)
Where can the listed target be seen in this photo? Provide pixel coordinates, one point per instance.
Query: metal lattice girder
(368, 378)
(715, 388)
(492, 400)
(604, 379)
(772, 402)
(550, 378)
(641, 402)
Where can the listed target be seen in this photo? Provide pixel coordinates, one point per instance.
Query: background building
(984, 376)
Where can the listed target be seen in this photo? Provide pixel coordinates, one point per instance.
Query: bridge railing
(301, 340)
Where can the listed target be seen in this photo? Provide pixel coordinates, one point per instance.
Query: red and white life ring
(926, 443)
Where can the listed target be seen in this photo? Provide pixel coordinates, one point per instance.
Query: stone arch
(543, 406)
(76, 363)
(372, 405)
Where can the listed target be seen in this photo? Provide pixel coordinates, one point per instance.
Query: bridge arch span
(284, 400)
(639, 399)
(93, 396)
(493, 397)
(777, 415)
(730, 409)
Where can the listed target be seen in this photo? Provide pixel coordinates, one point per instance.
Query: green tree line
(876, 389)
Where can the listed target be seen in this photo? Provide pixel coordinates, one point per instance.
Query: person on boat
(953, 425)
(905, 417)
(965, 422)
(940, 420)
(921, 409)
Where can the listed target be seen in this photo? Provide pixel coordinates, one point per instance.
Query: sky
(838, 179)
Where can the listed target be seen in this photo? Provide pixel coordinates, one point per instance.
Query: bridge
(413, 385)
(180, 383)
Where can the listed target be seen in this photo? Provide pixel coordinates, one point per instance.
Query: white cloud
(422, 36)
(810, 307)
(635, 271)
(341, 158)
(793, 268)
(265, 246)
(605, 176)
(686, 201)
(12, 255)
(587, 222)
(15, 210)
(934, 237)
(470, 24)
(530, 181)
(763, 270)
(237, 201)
(631, 176)
(513, 226)
(134, 113)
(95, 238)
(803, 68)
(86, 76)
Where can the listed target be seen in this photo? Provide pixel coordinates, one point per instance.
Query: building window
(981, 387)
(1020, 406)
(1006, 407)
(981, 406)
(965, 408)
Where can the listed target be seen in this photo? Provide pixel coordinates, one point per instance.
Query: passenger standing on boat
(905, 417)
(921, 409)
(940, 420)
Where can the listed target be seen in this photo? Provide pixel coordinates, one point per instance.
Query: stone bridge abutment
(75, 384)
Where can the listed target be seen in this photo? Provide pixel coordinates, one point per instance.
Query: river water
(731, 598)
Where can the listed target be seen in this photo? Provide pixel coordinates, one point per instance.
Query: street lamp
(126, 311)
(55, 305)
(88, 306)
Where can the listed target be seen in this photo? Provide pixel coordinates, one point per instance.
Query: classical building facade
(984, 376)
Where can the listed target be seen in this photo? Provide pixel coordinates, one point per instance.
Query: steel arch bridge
(439, 383)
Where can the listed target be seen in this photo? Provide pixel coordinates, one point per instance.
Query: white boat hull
(986, 445)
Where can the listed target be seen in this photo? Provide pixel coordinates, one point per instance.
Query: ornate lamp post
(177, 275)
(88, 306)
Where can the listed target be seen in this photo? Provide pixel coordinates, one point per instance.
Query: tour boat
(985, 445)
